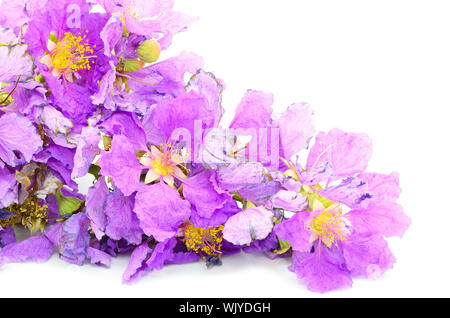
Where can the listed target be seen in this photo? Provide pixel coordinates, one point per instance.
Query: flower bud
(149, 51)
(133, 65)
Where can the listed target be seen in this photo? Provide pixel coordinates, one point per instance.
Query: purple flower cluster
(85, 95)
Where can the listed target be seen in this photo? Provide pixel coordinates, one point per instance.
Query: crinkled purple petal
(122, 165)
(367, 256)
(95, 207)
(200, 192)
(161, 210)
(87, 149)
(34, 249)
(7, 236)
(122, 222)
(129, 126)
(323, 270)
(295, 232)
(98, 257)
(137, 265)
(9, 190)
(353, 192)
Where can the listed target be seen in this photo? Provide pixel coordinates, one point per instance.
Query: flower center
(330, 226)
(162, 167)
(72, 53)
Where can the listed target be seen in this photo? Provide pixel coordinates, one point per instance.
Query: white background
(380, 67)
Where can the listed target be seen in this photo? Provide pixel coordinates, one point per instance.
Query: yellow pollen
(72, 52)
(330, 226)
(203, 241)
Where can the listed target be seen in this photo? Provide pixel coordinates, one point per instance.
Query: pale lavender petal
(254, 111)
(248, 225)
(15, 63)
(384, 218)
(296, 128)
(347, 153)
(290, 201)
(18, 134)
(208, 86)
(383, 187)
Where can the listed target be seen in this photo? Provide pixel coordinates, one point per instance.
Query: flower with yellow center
(68, 56)
(163, 166)
(330, 226)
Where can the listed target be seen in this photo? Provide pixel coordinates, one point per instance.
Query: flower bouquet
(84, 94)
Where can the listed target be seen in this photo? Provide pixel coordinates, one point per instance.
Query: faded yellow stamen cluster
(72, 52)
(203, 241)
(30, 214)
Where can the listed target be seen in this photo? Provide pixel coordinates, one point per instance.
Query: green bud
(133, 65)
(67, 205)
(149, 51)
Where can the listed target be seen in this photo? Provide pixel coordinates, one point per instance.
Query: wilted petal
(8, 188)
(15, 63)
(290, 201)
(18, 134)
(248, 225)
